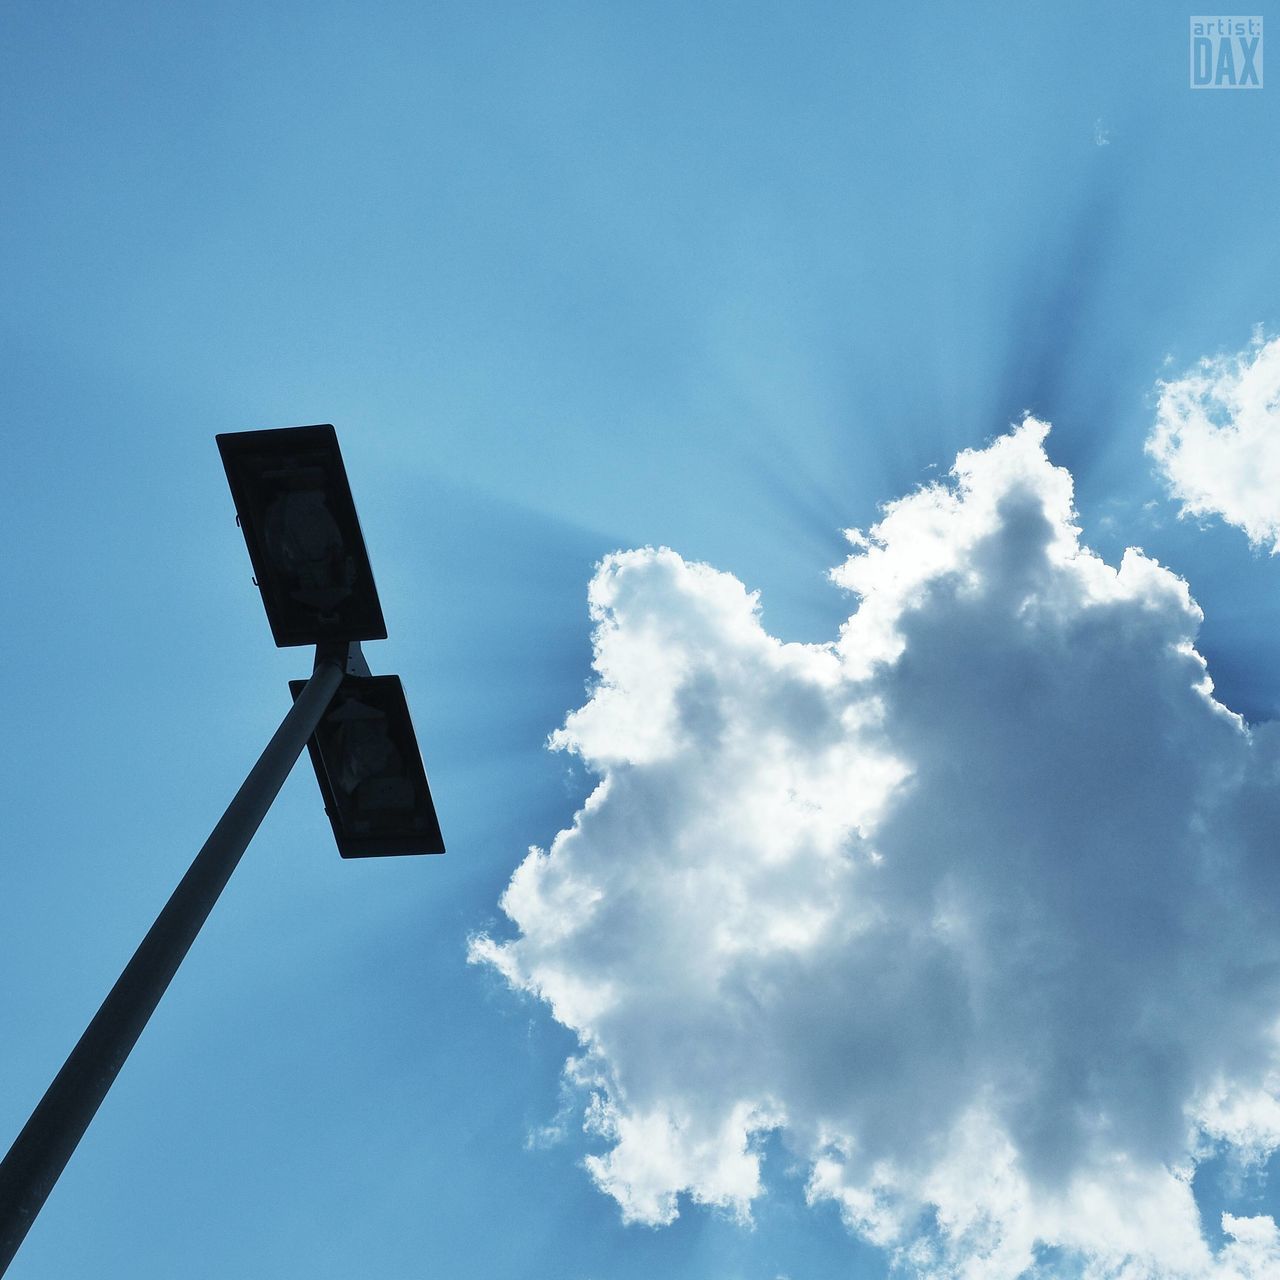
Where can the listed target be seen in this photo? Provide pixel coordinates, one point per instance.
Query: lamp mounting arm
(346, 653)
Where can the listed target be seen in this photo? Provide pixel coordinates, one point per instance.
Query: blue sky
(569, 279)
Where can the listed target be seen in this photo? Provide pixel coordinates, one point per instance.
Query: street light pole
(44, 1146)
(294, 506)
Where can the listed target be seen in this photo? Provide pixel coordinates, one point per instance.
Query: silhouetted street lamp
(294, 506)
(370, 770)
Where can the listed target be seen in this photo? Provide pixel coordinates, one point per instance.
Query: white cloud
(976, 905)
(1217, 440)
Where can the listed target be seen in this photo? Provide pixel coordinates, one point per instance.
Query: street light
(294, 505)
(370, 771)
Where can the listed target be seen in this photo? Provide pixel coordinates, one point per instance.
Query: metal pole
(45, 1144)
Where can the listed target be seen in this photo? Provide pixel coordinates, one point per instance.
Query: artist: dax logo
(1226, 53)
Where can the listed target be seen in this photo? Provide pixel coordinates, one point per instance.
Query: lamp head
(295, 508)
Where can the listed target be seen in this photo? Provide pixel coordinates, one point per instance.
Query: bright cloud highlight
(977, 905)
(1217, 440)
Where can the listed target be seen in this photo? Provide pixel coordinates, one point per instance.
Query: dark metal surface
(45, 1144)
(299, 521)
(370, 770)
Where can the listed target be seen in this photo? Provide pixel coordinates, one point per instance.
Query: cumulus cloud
(976, 905)
(1217, 440)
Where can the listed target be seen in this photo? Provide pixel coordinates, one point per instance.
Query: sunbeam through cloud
(975, 905)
